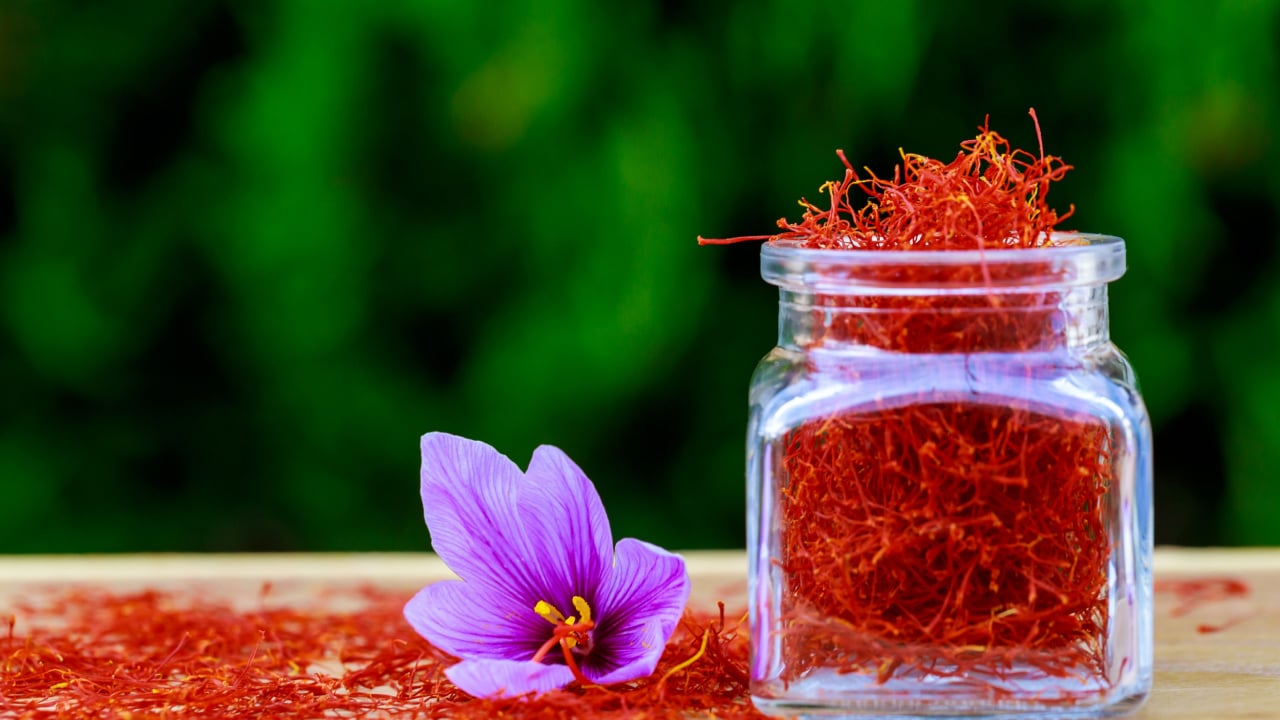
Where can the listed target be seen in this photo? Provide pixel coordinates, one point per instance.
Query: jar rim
(1075, 259)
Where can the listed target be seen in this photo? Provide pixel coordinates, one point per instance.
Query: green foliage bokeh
(250, 251)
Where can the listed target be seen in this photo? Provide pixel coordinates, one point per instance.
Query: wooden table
(1217, 633)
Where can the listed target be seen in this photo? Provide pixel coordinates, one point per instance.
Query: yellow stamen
(571, 641)
(583, 608)
(549, 611)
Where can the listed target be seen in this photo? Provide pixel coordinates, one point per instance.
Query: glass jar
(949, 486)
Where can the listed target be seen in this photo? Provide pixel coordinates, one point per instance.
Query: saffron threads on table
(150, 654)
(1194, 593)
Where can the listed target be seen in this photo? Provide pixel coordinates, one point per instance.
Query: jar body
(946, 519)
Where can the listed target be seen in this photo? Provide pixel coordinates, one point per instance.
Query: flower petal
(470, 501)
(475, 622)
(507, 678)
(562, 510)
(640, 605)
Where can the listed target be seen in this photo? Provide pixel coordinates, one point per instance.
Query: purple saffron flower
(544, 597)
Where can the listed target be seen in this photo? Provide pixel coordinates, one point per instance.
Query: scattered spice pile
(152, 654)
(944, 534)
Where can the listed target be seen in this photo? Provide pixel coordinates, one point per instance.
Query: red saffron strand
(1194, 593)
(92, 653)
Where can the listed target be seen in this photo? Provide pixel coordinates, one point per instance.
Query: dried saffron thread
(92, 654)
(1193, 593)
(944, 536)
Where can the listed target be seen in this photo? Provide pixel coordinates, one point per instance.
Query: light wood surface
(1217, 654)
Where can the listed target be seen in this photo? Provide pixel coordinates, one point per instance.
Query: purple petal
(561, 510)
(640, 605)
(470, 501)
(475, 622)
(507, 678)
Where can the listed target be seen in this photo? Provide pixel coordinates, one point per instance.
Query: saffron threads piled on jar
(959, 535)
(151, 654)
(989, 197)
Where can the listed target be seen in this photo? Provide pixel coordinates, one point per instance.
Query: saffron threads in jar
(92, 653)
(947, 539)
(943, 451)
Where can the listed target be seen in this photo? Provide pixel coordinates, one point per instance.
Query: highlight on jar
(948, 462)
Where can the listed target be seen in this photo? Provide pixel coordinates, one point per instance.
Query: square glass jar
(949, 487)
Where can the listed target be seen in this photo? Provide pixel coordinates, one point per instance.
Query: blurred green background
(250, 251)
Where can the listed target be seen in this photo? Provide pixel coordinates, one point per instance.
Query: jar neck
(1030, 320)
